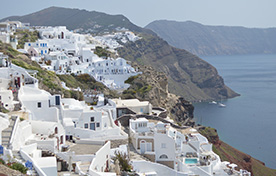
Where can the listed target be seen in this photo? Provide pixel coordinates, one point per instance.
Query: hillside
(50, 82)
(188, 76)
(215, 40)
(95, 22)
(228, 153)
(177, 70)
(153, 87)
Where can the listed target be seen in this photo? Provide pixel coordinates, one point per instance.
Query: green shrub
(20, 167)
(102, 52)
(131, 79)
(123, 161)
(2, 161)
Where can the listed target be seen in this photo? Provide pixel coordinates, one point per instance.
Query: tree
(123, 161)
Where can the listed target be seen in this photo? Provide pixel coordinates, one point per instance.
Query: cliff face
(153, 87)
(188, 75)
(228, 153)
(215, 40)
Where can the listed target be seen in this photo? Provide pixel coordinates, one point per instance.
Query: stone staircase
(7, 133)
(85, 167)
(64, 164)
(17, 155)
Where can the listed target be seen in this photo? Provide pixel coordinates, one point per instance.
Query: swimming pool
(190, 161)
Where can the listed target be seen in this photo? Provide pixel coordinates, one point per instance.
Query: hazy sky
(248, 13)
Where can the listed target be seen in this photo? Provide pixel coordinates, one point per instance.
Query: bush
(123, 161)
(19, 167)
(131, 79)
(2, 161)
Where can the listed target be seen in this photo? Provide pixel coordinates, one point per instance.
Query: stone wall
(167, 163)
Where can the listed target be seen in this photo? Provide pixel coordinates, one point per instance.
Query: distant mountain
(215, 40)
(188, 75)
(97, 22)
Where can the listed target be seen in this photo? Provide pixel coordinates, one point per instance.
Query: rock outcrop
(228, 153)
(153, 87)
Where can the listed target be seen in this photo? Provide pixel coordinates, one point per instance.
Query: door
(18, 81)
(149, 146)
(92, 126)
(57, 100)
(142, 147)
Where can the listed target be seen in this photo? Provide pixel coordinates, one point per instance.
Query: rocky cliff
(188, 75)
(228, 153)
(215, 40)
(153, 87)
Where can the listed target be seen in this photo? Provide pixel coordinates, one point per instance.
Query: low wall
(101, 160)
(161, 170)
(26, 157)
(124, 120)
(90, 141)
(163, 113)
(75, 158)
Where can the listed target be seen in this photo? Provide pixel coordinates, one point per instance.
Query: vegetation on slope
(102, 52)
(139, 88)
(189, 76)
(24, 36)
(228, 153)
(48, 80)
(86, 82)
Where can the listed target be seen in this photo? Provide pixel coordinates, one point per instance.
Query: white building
(66, 52)
(132, 105)
(40, 104)
(89, 122)
(185, 154)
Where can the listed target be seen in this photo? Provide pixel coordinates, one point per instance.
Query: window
(98, 124)
(92, 119)
(86, 125)
(163, 145)
(163, 156)
(61, 139)
(39, 104)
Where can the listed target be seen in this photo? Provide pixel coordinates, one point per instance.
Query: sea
(247, 122)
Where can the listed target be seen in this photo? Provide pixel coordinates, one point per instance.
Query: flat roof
(130, 103)
(82, 149)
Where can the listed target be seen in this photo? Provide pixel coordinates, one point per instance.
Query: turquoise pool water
(190, 161)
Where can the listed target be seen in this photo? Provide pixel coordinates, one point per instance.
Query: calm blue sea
(248, 122)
